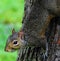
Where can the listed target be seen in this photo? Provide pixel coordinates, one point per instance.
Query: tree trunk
(54, 54)
(30, 53)
(37, 31)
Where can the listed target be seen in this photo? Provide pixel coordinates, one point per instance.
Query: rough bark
(36, 29)
(54, 48)
(29, 53)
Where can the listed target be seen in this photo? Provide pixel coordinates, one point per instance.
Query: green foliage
(11, 13)
(4, 56)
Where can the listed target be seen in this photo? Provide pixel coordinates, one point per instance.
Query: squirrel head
(15, 41)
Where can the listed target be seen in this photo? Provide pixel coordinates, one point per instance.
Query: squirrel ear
(20, 34)
(13, 31)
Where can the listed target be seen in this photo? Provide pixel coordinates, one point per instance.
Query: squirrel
(15, 41)
(39, 18)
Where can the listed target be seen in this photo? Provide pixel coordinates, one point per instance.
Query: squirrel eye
(15, 42)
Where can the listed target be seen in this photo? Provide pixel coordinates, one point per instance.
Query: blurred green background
(11, 14)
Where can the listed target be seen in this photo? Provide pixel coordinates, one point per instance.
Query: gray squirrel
(15, 41)
(38, 19)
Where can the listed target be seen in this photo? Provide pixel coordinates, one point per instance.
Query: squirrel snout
(7, 49)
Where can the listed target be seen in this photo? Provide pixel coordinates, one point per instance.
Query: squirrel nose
(7, 49)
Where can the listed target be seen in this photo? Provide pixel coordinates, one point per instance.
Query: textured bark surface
(38, 14)
(30, 53)
(54, 49)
